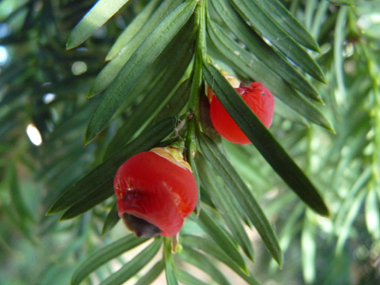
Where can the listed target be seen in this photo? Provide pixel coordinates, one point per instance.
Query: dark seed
(140, 227)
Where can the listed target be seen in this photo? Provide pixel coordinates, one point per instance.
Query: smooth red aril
(155, 191)
(259, 100)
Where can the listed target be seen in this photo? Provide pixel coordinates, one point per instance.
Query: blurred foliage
(44, 87)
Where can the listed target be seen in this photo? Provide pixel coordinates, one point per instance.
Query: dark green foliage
(160, 56)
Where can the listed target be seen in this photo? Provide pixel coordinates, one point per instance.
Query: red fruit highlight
(155, 191)
(259, 100)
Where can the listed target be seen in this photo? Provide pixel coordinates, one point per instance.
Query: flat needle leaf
(93, 20)
(266, 144)
(135, 67)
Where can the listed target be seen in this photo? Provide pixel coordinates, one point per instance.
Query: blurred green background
(43, 89)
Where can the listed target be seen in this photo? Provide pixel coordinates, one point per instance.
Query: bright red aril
(259, 100)
(155, 191)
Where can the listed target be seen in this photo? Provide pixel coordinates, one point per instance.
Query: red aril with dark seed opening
(155, 191)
